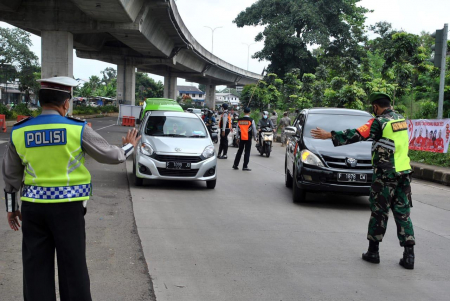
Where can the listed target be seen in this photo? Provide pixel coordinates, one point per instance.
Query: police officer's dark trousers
(223, 146)
(247, 145)
(48, 228)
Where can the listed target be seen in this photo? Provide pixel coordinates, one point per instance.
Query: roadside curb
(431, 173)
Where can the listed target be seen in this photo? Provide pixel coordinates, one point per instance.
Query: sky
(413, 16)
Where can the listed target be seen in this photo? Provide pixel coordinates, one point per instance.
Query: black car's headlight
(310, 159)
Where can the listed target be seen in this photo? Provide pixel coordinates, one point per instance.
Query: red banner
(429, 135)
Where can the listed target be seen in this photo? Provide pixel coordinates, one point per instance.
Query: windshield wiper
(170, 135)
(197, 136)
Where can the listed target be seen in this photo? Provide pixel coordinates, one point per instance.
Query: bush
(22, 109)
(436, 159)
(4, 111)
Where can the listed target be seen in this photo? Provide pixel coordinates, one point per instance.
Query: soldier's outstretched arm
(370, 130)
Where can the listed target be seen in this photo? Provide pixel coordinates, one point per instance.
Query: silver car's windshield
(331, 122)
(171, 126)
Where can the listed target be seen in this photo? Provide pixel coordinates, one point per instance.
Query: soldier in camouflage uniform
(284, 122)
(391, 183)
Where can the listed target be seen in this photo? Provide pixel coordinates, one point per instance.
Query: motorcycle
(213, 132)
(264, 145)
(235, 135)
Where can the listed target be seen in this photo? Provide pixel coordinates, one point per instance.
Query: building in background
(229, 98)
(10, 93)
(197, 95)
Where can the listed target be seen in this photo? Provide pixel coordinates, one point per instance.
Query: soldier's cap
(378, 95)
(58, 83)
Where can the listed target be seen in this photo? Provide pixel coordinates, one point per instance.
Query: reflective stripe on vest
(244, 126)
(395, 137)
(50, 147)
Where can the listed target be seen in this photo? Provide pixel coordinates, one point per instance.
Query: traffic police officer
(225, 124)
(47, 153)
(391, 184)
(247, 130)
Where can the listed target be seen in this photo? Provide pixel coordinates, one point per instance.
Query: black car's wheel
(298, 194)
(287, 178)
(137, 181)
(211, 184)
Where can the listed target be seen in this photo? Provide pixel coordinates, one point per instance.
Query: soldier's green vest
(395, 142)
(50, 147)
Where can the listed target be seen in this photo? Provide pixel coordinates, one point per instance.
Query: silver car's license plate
(178, 165)
(352, 177)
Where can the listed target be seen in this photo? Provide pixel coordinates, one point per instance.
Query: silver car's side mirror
(290, 131)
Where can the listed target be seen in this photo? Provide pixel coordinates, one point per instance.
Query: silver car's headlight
(310, 158)
(208, 152)
(146, 149)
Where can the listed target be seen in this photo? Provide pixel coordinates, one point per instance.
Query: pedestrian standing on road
(391, 183)
(225, 128)
(45, 161)
(284, 122)
(247, 130)
(274, 119)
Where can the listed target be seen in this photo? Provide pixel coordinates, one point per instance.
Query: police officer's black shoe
(235, 167)
(246, 169)
(408, 258)
(372, 255)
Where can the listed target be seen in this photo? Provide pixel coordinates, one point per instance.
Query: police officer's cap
(225, 106)
(379, 95)
(58, 83)
(247, 110)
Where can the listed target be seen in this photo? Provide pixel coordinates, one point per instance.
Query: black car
(313, 165)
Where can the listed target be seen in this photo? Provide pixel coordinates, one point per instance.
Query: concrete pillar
(57, 55)
(170, 87)
(210, 100)
(126, 84)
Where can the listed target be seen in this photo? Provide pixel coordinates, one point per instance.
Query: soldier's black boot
(372, 254)
(408, 258)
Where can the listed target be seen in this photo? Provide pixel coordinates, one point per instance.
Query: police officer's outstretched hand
(13, 221)
(131, 137)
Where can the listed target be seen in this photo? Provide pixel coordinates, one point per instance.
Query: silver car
(174, 146)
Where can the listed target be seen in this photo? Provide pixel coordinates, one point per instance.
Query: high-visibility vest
(228, 125)
(245, 125)
(50, 147)
(395, 138)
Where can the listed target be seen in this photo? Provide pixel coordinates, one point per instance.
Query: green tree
(147, 87)
(291, 26)
(109, 74)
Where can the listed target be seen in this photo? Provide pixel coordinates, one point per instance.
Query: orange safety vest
(244, 126)
(228, 123)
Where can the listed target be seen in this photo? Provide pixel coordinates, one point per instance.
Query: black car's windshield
(171, 126)
(330, 122)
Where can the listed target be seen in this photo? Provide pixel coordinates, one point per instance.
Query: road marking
(2, 141)
(428, 185)
(105, 127)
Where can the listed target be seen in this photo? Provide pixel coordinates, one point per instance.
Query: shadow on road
(336, 201)
(174, 185)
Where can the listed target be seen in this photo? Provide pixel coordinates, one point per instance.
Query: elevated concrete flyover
(145, 34)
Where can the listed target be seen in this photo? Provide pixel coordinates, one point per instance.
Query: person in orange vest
(247, 130)
(225, 128)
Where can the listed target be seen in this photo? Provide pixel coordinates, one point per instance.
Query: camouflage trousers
(283, 137)
(395, 195)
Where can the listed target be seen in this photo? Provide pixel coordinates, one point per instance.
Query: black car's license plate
(178, 165)
(352, 177)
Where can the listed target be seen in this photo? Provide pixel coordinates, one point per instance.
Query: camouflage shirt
(382, 158)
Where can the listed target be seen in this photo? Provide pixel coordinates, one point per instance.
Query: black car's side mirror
(138, 121)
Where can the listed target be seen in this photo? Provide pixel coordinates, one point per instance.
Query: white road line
(105, 127)
(2, 141)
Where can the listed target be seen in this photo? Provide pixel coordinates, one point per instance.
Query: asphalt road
(117, 267)
(247, 240)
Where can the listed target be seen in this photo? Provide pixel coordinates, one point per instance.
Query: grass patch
(442, 160)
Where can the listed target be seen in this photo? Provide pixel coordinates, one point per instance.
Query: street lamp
(212, 36)
(248, 55)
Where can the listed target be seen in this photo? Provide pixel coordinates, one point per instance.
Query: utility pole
(439, 60)
(248, 53)
(212, 37)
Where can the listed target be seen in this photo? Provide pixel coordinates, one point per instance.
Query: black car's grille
(177, 172)
(182, 159)
(341, 164)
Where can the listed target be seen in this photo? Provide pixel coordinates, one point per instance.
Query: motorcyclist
(210, 119)
(264, 122)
